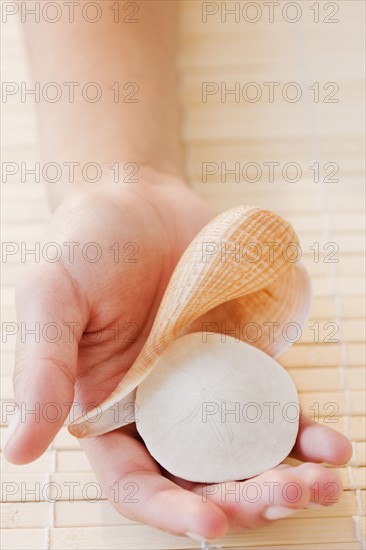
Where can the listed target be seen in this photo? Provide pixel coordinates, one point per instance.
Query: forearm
(112, 129)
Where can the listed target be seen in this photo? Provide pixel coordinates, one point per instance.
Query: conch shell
(242, 268)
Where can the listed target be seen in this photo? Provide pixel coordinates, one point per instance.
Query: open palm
(98, 304)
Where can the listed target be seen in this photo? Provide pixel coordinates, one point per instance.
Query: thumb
(50, 325)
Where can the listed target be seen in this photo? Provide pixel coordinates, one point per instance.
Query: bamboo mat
(224, 131)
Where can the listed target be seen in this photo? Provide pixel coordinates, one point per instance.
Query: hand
(88, 301)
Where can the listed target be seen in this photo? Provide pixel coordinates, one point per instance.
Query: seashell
(216, 409)
(242, 268)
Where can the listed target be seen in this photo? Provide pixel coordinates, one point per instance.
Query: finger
(325, 486)
(276, 494)
(132, 481)
(45, 361)
(318, 443)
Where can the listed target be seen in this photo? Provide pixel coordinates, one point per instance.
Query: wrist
(111, 177)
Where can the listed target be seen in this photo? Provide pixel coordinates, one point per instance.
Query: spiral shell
(242, 267)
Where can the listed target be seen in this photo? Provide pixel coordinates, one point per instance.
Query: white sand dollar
(216, 409)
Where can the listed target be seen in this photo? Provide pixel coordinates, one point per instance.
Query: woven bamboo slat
(330, 376)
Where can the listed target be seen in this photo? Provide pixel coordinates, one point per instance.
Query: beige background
(227, 132)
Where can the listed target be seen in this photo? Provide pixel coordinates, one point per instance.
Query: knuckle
(312, 470)
(18, 373)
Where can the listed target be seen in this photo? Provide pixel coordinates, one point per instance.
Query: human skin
(162, 215)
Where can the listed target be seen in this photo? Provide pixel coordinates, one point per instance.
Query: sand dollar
(217, 409)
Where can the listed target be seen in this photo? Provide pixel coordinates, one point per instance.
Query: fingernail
(278, 512)
(205, 545)
(194, 536)
(12, 428)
